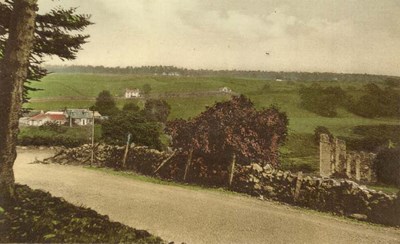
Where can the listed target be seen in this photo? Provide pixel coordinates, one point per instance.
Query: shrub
(374, 137)
(387, 166)
(38, 140)
(368, 143)
(232, 128)
(321, 130)
(143, 132)
(322, 101)
(53, 126)
(387, 132)
(131, 107)
(156, 110)
(376, 102)
(105, 104)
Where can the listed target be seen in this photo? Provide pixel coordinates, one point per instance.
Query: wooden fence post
(188, 164)
(164, 162)
(232, 169)
(126, 151)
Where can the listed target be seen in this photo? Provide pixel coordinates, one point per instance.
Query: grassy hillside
(80, 90)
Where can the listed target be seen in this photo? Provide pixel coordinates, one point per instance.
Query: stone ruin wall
(335, 160)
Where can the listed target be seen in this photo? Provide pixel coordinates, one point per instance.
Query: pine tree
(25, 39)
(105, 104)
(53, 36)
(13, 72)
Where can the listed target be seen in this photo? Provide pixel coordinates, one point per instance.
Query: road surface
(192, 216)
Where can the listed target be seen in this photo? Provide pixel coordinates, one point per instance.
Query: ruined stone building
(335, 160)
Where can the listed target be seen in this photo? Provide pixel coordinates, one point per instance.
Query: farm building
(43, 118)
(81, 116)
(131, 93)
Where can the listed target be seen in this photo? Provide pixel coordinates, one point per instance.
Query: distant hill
(253, 74)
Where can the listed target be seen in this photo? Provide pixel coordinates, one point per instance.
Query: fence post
(92, 154)
(164, 162)
(126, 151)
(188, 164)
(232, 169)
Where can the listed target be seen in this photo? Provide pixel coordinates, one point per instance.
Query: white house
(225, 89)
(43, 118)
(82, 116)
(132, 93)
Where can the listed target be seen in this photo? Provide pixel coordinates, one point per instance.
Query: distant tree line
(255, 74)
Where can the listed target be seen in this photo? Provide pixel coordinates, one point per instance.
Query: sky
(345, 36)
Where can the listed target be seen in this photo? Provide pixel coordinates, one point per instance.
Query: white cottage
(225, 89)
(132, 93)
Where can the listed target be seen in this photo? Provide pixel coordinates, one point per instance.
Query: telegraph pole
(92, 157)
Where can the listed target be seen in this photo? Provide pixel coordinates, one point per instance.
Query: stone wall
(342, 197)
(335, 160)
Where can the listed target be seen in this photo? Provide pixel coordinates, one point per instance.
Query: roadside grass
(385, 188)
(153, 180)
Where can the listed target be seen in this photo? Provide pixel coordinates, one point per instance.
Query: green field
(80, 90)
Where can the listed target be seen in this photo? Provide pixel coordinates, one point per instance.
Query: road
(192, 216)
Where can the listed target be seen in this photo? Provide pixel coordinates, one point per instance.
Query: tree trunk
(13, 73)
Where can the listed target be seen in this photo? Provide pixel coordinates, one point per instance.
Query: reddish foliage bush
(231, 128)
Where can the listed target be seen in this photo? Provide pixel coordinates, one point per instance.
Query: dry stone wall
(342, 197)
(139, 159)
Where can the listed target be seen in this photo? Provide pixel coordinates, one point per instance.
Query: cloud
(339, 36)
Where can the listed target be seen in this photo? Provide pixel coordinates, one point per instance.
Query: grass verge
(135, 176)
(385, 188)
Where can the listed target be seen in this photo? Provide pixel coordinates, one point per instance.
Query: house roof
(52, 117)
(79, 113)
(82, 113)
(132, 90)
(55, 112)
